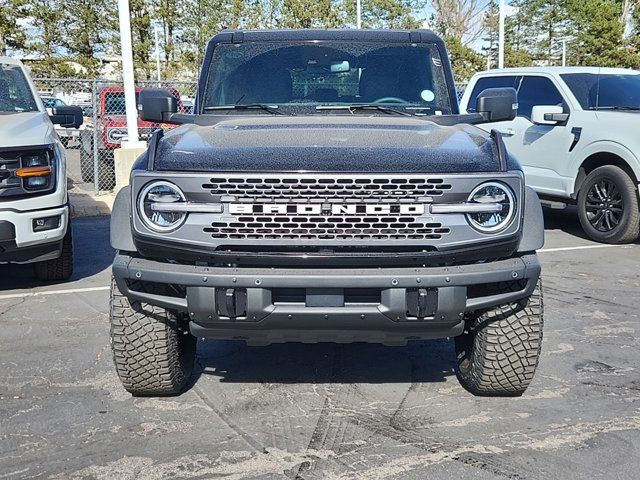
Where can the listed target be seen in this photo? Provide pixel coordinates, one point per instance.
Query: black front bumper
(267, 310)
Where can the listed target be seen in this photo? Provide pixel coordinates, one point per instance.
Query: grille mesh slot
(392, 225)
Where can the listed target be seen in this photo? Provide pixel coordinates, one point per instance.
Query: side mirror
(156, 105)
(548, 115)
(497, 104)
(68, 117)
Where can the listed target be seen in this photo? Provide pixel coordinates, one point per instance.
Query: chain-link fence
(90, 162)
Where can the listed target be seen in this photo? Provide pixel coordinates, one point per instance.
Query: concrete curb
(90, 205)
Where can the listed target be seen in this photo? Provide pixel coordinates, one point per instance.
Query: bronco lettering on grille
(319, 209)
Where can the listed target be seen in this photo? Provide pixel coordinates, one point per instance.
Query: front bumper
(325, 312)
(20, 244)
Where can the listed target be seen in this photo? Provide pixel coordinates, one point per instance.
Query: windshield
(607, 91)
(302, 76)
(115, 103)
(15, 93)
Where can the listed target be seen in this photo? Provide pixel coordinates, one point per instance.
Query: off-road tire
(628, 229)
(106, 168)
(153, 354)
(499, 351)
(60, 268)
(86, 164)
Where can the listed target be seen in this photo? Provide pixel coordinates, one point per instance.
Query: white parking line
(53, 292)
(584, 247)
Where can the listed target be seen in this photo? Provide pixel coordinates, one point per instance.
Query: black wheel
(106, 170)
(153, 351)
(62, 267)
(86, 163)
(499, 351)
(608, 206)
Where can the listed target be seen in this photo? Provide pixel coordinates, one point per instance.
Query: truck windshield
(15, 92)
(605, 92)
(302, 76)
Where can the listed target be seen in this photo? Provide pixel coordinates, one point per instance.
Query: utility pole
(358, 14)
(501, 18)
(128, 77)
(155, 28)
(564, 52)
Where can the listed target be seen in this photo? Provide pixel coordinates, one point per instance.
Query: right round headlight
(151, 201)
(497, 194)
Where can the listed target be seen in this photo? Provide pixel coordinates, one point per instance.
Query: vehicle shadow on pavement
(565, 220)
(92, 254)
(233, 361)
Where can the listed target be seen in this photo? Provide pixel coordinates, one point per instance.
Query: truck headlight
(36, 171)
(150, 202)
(494, 193)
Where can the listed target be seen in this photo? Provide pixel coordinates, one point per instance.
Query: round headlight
(150, 205)
(496, 194)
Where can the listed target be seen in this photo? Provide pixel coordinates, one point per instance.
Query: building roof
(10, 61)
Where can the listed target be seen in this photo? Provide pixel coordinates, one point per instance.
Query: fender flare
(120, 234)
(602, 148)
(533, 223)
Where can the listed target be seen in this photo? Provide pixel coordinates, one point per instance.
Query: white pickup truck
(34, 211)
(577, 136)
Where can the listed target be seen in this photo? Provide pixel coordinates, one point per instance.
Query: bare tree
(462, 19)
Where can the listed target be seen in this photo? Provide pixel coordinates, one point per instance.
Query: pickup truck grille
(9, 163)
(325, 223)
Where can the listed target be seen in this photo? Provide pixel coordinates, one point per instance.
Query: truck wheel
(86, 164)
(498, 353)
(106, 170)
(608, 206)
(60, 268)
(153, 351)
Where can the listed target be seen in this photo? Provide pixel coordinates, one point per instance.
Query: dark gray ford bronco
(326, 189)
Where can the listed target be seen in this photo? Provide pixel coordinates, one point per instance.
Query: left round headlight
(493, 193)
(154, 205)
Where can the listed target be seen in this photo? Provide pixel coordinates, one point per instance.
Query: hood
(25, 129)
(350, 143)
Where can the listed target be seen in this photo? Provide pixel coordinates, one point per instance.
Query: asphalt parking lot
(323, 411)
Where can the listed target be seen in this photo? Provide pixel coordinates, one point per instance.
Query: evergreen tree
(12, 34)
(89, 29)
(491, 38)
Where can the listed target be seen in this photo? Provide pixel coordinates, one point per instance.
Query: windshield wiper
(273, 109)
(616, 107)
(370, 106)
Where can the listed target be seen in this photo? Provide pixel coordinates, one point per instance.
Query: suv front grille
(305, 189)
(332, 190)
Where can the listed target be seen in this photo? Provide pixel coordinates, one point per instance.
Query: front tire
(499, 351)
(61, 268)
(152, 350)
(608, 206)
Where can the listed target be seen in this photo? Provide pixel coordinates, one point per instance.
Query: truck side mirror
(156, 105)
(68, 117)
(497, 104)
(548, 115)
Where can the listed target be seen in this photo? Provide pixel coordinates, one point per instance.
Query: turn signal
(33, 172)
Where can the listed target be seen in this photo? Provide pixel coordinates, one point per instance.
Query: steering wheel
(390, 100)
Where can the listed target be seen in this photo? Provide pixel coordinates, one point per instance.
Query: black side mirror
(497, 104)
(68, 117)
(156, 105)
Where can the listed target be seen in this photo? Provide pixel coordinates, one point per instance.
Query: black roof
(420, 35)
